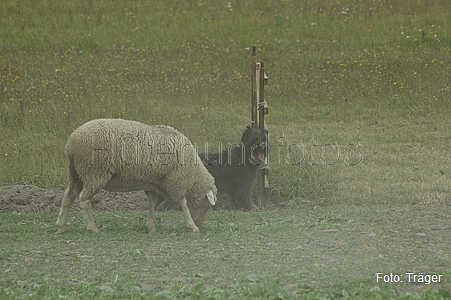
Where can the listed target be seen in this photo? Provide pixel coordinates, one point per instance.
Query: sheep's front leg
(152, 199)
(188, 218)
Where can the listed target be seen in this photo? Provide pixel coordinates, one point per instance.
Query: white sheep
(119, 155)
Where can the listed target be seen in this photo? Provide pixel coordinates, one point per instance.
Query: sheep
(120, 156)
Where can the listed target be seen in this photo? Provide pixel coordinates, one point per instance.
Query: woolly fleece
(121, 156)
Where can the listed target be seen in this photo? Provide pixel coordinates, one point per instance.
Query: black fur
(235, 168)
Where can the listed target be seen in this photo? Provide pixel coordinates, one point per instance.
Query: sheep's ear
(211, 197)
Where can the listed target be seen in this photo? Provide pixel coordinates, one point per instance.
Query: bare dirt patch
(24, 198)
(31, 199)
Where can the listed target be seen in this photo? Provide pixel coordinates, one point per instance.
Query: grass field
(306, 252)
(359, 102)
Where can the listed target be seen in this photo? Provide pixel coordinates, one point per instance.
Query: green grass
(373, 75)
(348, 80)
(269, 290)
(306, 252)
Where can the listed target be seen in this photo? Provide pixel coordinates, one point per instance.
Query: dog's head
(256, 143)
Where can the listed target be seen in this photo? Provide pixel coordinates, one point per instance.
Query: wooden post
(259, 109)
(261, 175)
(261, 97)
(254, 88)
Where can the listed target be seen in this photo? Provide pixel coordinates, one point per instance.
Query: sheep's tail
(72, 171)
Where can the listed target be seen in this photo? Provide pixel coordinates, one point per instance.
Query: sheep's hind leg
(189, 220)
(152, 199)
(73, 189)
(85, 202)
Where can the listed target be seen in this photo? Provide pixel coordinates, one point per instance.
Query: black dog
(235, 169)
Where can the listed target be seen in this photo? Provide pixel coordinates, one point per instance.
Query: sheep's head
(200, 207)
